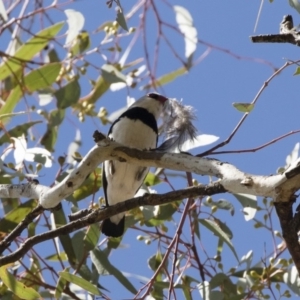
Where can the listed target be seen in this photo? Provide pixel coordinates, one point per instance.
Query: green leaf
(114, 243)
(75, 20)
(155, 260)
(13, 114)
(226, 205)
(213, 227)
(8, 203)
(185, 24)
(46, 294)
(166, 284)
(104, 25)
(98, 265)
(56, 117)
(186, 286)
(222, 280)
(198, 141)
(17, 131)
(295, 4)
(81, 44)
(68, 95)
(85, 273)
(15, 216)
(204, 290)
(49, 138)
(92, 236)
(100, 87)
(60, 285)
(31, 276)
(112, 75)
(220, 204)
(157, 215)
(220, 247)
(121, 20)
(217, 295)
(80, 282)
(151, 179)
(66, 241)
(11, 102)
(28, 50)
(195, 223)
(293, 156)
(243, 107)
(131, 220)
(31, 229)
(166, 211)
(53, 56)
(157, 292)
(277, 277)
(78, 246)
(297, 72)
(148, 212)
(42, 77)
(18, 288)
(225, 228)
(45, 96)
(54, 257)
(36, 79)
(89, 187)
(249, 203)
(100, 261)
(247, 259)
(167, 78)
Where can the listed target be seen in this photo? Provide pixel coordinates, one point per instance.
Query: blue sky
(211, 88)
(234, 71)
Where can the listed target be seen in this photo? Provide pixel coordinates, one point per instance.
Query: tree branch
(281, 187)
(233, 180)
(276, 38)
(20, 227)
(285, 214)
(288, 34)
(101, 214)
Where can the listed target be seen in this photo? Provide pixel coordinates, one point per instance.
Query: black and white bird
(135, 128)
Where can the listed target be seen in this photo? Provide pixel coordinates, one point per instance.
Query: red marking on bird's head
(158, 97)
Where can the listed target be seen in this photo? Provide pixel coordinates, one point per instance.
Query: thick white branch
(232, 179)
(29, 190)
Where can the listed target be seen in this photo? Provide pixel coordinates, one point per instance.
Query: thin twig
(20, 227)
(265, 84)
(259, 147)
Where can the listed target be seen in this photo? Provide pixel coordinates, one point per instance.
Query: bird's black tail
(111, 229)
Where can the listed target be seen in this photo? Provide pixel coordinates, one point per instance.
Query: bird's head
(153, 102)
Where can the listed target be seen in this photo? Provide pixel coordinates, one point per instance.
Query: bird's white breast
(134, 134)
(122, 178)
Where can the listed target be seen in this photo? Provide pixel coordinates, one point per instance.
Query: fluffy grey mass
(178, 126)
